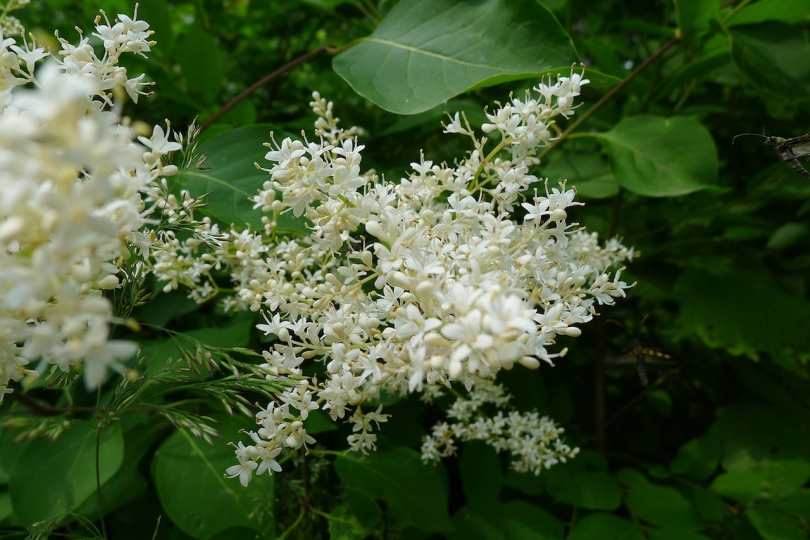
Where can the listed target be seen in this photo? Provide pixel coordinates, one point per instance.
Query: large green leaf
(663, 506)
(796, 504)
(516, 520)
(754, 432)
(661, 157)
(698, 458)
(50, 480)
(773, 56)
(709, 505)
(768, 480)
(427, 51)
(190, 479)
(232, 179)
(415, 493)
(774, 525)
(772, 10)
(140, 432)
(343, 525)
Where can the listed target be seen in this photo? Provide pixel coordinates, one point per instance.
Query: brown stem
(264, 80)
(613, 91)
(40, 409)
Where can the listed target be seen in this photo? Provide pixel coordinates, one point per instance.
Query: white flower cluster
(71, 205)
(533, 441)
(444, 276)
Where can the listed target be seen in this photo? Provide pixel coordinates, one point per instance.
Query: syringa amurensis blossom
(74, 186)
(448, 275)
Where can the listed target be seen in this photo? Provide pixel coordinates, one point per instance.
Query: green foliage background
(717, 448)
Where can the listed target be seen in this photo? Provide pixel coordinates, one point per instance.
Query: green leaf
(560, 475)
(754, 432)
(6, 509)
(698, 459)
(233, 179)
(662, 506)
(773, 56)
(630, 477)
(789, 11)
(481, 474)
(49, 480)
(589, 173)
(416, 493)
(140, 432)
(494, 520)
(766, 480)
(694, 15)
(164, 307)
(236, 334)
(202, 63)
(787, 235)
(709, 506)
(796, 504)
(592, 490)
(427, 51)
(343, 525)
(661, 157)
(190, 479)
(364, 508)
(717, 309)
(709, 62)
(602, 526)
(774, 525)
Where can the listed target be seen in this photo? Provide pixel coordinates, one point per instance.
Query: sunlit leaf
(661, 157)
(427, 51)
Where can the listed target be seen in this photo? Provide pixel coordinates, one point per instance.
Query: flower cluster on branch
(444, 276)
(75, 188)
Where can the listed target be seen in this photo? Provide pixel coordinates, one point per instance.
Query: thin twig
(264, 80)
(613, 91)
